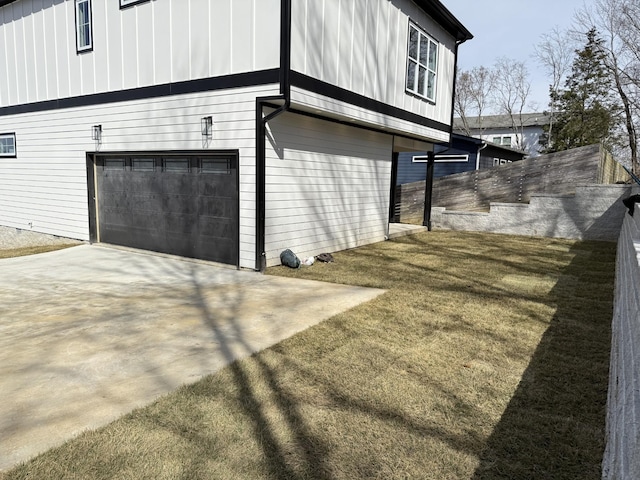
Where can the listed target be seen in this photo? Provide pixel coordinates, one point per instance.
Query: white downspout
(484, 145)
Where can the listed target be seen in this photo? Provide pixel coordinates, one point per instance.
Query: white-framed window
(500, 161)
(442, 158)
(128, 3)
(84, 27)
(422, 63)
(504, 140)
(8, 145)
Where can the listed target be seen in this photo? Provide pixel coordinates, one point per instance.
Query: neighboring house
(227, 130)
(528, 135)
(463, 155)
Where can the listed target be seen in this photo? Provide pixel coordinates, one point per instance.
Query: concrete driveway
(89, 333)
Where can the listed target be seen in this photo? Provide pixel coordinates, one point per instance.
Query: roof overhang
(436, 10)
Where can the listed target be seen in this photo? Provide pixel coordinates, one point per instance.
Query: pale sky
(511, 28)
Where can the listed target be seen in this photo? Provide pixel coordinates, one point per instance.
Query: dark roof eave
(466, 138)
(6, 2)
(436, 10)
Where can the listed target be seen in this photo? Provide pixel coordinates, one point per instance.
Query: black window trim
(421, 30)
(82, 50)
(130, 3)
(15, 145)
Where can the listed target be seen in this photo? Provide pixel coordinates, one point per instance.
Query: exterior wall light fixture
(96, 133)
(206, 127)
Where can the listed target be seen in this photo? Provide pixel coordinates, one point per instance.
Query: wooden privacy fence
(556, 173)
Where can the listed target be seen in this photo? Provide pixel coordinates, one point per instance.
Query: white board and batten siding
(45, 187)
(327, 186)
(151, 43)
(361, 46)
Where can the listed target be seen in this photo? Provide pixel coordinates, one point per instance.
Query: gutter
(261, 129)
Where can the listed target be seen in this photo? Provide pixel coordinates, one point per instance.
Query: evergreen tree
(586, 111)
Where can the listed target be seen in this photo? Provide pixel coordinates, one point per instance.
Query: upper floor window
(422, 63)
(7, 144)
(504, 140)
(127, 3)
(84, 30)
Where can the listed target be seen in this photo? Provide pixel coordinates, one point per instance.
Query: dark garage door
(185, 205)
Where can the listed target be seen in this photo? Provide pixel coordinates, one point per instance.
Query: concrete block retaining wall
(595, 212)
(622, 454)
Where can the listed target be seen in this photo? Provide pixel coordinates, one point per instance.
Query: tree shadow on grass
(553, 427)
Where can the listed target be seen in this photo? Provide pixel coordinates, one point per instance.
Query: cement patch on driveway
(89, 333)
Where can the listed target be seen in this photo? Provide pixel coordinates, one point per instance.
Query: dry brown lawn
(487, 358)
(20, 252)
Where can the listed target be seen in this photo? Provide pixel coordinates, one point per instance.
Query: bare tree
(555, 54)
(512, 93)
(618, 23)
(474, 95)
(462, 100)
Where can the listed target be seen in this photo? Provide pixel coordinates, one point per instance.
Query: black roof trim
(436, 10)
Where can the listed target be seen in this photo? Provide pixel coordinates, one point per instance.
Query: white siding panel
(64, 48)
(45, 188)
(4, 65)
(112, 46)
(179, 41)
(51, 54)
(313, 102)
(220, 53)
(129, 49)
(162, 37)
(101, 54)
(28, 34)
(383, 24)
(88, 85)
(330, 42)
(74, 59)
(371, 46)
(371, 52)
(345, 44)
(20, 53)
(359, 46)
(39, 50)
(267, 36)
(299, 38)
(199, 34)
(242, 27)
(327, 186)
(12, 72)
(144, 43)
(150, 43)
(397, 60)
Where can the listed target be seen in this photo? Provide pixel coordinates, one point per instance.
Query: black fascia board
(436, 10)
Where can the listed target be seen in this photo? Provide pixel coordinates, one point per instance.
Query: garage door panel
(224, 187)
(179, 204)
(217, 207)
(186, 184)
(224, 247)
(215, 228)
(182, 206)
